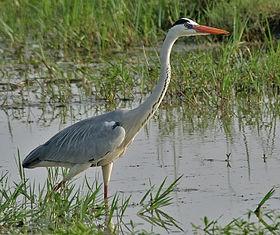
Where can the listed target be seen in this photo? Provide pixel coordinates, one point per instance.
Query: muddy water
(209, 186)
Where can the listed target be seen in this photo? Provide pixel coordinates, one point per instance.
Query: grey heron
(100, 140)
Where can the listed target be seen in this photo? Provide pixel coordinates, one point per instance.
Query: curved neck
(145, 111)
(150, 105)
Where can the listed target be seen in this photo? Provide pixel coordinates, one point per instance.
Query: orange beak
(210, 30)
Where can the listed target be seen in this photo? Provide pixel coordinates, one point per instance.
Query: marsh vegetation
(61, 61)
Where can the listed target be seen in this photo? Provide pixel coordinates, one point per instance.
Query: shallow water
(171, 145)
(176, 142)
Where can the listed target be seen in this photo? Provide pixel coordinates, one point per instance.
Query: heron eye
(188, 25)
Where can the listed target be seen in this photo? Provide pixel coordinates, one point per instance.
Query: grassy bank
(92, 44)
(92, 26)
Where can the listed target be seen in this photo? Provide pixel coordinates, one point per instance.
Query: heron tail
(32, 158)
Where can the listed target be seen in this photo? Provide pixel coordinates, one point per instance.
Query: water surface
(177, 141)
(172, 144)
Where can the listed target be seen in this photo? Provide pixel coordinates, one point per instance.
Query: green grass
(153, 203)
(31, 208)
(84, 43)
(59, 52)
(199, 77)
(265, 221)
(90, 27)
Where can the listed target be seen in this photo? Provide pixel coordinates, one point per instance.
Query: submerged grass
(27, 208)
(51, 47)
(199, 77)
(153, 203)
(268, 222)
(30, 208)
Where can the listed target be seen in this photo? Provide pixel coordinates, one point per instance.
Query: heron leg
(74, 170)
(61, 184)
(106, 172)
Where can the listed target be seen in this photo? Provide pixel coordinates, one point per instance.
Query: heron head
(187, 27)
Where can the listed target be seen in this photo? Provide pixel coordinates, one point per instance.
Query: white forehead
(180, 28)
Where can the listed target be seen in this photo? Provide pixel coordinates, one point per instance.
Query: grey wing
(85, 141)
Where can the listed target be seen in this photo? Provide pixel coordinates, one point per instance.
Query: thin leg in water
(75, 170)
(61, 184)
(106, 172)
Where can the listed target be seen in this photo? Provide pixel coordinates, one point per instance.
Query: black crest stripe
(180, 21)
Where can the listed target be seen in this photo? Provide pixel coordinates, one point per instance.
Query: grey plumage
(99, 140)
(89, 140)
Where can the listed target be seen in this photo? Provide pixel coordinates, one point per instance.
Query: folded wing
(86, 141)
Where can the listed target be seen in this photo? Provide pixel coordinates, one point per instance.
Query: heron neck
(146, 110)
